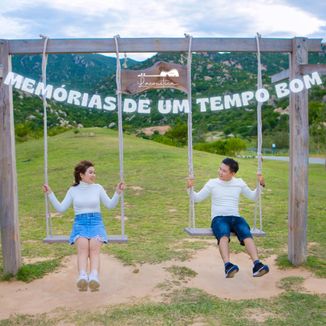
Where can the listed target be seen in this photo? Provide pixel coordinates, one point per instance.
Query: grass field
(157, 211)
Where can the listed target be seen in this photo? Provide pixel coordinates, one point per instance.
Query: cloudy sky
(161, 18)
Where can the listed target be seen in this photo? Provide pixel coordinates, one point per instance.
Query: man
(225, 192)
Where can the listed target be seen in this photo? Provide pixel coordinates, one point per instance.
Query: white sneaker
(93, 283)
(82, 283)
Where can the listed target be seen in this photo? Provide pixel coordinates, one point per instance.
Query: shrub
(231, 146)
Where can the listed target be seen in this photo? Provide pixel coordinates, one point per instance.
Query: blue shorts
(224, 225)
(88, 225)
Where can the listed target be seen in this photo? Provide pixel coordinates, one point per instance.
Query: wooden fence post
(10, 241)
(299, 156)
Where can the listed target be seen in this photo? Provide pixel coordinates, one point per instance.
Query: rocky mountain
(213, 74)
(80, 72)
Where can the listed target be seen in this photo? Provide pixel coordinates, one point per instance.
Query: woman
(88, 231)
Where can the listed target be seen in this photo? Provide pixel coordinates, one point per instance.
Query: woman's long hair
(81, 167)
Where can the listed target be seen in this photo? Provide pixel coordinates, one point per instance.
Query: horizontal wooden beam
(135, 45)
(308, 69)
(304, 70)
(284, 74)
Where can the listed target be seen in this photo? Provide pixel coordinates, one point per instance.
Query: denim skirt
(88, 225)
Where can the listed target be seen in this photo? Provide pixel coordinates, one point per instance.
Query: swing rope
(45, 136)
(189, 124)
(192, 230)
(120, 130)
(258, 206)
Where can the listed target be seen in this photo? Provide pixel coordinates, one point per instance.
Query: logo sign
(160, 75)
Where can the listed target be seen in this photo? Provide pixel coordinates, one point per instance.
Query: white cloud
(132, 18)
(12, 28)
(270, 17)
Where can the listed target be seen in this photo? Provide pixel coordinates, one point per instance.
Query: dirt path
(128, 284)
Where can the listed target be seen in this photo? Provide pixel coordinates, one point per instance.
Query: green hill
(213, 74)
(81, 72)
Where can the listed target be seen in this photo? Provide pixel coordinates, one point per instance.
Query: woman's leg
(94, 254)
(82, 254)
(82, 259)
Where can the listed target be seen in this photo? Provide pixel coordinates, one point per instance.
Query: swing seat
(257, 232)
(56, 239)
(197, 232)
(64, 239)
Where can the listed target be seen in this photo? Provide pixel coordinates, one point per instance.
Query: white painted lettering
(144, 106)
(282, 90)
(232, 100)
(95, 102)
(246, 97)
(313, 80)
(167, 108)
(60, 94)
(84, 100)
(28, 85)
(202, 102)
(262, 95)
(109, 103)
(216, 103)
(129, 105)
(296, 85)
(41, 91)
(182, 106)
(74, 97)
(14, 80)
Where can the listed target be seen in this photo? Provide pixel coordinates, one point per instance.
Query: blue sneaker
(260, 270)
(231, 270)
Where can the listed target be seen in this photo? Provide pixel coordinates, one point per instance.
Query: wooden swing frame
(298, 48)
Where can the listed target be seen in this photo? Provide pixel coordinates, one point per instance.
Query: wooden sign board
(160, 75)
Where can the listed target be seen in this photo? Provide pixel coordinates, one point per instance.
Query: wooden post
(8, 179)
(298, 165)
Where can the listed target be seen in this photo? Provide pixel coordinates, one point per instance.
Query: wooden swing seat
(64, 239)
(197, 232)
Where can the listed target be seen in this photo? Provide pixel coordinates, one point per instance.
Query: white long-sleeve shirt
(86, 198)
(225, 195)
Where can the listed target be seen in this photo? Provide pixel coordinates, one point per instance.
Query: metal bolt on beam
(1, 71)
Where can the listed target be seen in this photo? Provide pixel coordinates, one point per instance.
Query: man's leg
(259, 268)
(230, 269)
(251, 248)
(221, 230)
(242, 230)
(224, 249)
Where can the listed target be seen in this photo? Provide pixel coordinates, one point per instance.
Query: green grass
(181, 273)
(188, 306)
(313, 263)
(30, 272)
(157, 211)
(291, 283)
(156, 201)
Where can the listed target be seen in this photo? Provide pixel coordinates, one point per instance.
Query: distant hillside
(80, 72)
(213, 74)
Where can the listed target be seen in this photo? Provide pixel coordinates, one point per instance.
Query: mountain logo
(171, 73)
